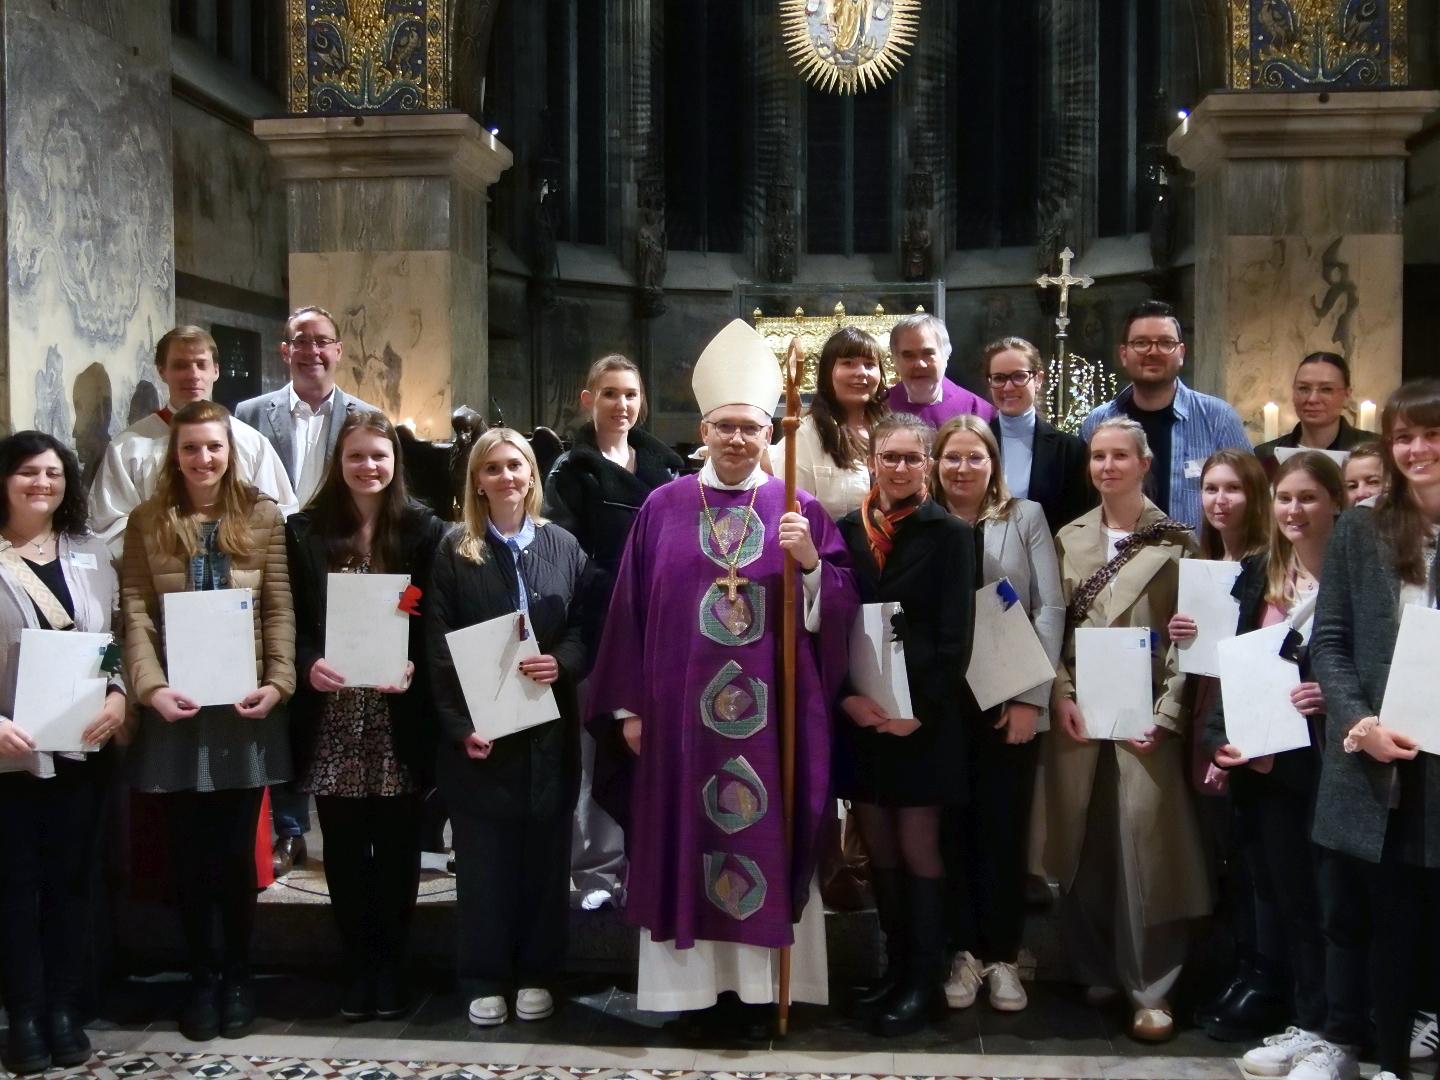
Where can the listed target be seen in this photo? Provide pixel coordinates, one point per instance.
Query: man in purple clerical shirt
(685, 705)
(920, 348)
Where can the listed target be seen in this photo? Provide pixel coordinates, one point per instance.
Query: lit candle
(1367, 416)
(1272, 421)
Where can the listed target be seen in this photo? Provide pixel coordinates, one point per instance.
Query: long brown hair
(998, 501)
(1401, 523)
(1255, 525)
(335, 517)
(179, 532)
(1323, 470)
(618, 362)
(843, 445)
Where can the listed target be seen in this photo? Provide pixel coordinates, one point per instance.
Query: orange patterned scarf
(881, 525)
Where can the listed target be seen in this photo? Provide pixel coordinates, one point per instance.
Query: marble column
(1299, 207)
(387, 230)
(89, 210)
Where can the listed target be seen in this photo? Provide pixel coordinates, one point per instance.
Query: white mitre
(737, 368)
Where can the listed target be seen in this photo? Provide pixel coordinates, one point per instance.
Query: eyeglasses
(728, 430)
(893, 461)
(1164, 346)
(316, 343)
(976, 460)
(998, 379)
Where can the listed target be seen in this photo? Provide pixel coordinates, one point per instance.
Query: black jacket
(535, 772)
(1059, 479)
(412, 713)
(932, 572)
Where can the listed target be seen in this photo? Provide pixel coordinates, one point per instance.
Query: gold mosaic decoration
(814, 330)
(1304, 44)
(354, 56)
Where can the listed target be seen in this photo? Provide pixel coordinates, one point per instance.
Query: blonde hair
(179, 534)
(1322, 469)
(475, 523)
(998, 501)
(1129, 427)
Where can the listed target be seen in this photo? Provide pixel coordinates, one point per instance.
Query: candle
(1272, 421)
(1367, 415)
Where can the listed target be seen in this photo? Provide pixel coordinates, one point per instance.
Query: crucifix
(1065, 281)
(731, 582)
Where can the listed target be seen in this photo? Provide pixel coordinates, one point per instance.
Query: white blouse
(838, 490)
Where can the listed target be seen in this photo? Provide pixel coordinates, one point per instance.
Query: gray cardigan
(1356, 623)
(1021, 548)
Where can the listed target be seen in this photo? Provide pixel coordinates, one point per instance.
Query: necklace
(38, 545)
(738, 616)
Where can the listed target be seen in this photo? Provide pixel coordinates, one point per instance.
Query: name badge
(83, 560)
(1193, 469)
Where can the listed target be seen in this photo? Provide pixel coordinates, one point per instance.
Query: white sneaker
(489, 1011)
(1424, 1037)
(534, 1004)
(1327, 1061)
(1386, 1074)
(596, 899)
(1277, 1054)
(1003, 986)
(966, 974)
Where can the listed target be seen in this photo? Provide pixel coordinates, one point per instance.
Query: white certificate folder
(1205, 586)
(1112, 681)
(210, 645)
(1006, 657)
(877, 660)
(1255, 685)
(487, 661)
(367, 636)
(60, 688)
(1413, 686)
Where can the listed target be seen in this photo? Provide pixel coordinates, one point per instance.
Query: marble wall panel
(375, 214)
(90, 248)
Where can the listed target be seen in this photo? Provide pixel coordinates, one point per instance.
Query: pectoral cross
(731, 582)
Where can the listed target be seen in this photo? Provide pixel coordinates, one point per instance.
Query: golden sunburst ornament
(847, 46)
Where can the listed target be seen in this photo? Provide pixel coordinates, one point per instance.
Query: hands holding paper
(865, 713)
(543, 669)
(257, 704)
(110, 720)
(13, 740)
(1182, 628)
(173, 705)
(1308, 699)
(325, 679)
(1150, 741)
(476, 747)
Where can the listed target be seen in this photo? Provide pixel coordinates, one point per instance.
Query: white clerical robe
(131, 468)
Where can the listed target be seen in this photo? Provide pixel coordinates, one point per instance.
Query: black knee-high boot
(889, 888)
(919, 996)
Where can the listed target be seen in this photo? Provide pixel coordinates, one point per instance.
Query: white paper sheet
(210, 645)
(487, 660)
(1204, 595)
(1413, 687)
(1112, 681)
(1006, 657)
(1255, 685)
(1285, 453)
(367, 637)
(60, 689)
(877, 661)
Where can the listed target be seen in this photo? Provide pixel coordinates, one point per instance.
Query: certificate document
(1006, 657)
(877, 660)
(1112, 681)
(367, 636)
(60, 688)
(1255, 685)
(210, 645)
(1413, 686)
(1285, 453)
(1205, 586)
(487, 661)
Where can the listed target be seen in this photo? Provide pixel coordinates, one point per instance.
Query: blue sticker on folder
(1008, 596)
(1154, 641)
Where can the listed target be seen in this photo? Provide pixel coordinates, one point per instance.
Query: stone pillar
(1299, 205)
(387, 230)
(88, 202)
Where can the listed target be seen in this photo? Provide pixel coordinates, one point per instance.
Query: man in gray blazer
(302, 420)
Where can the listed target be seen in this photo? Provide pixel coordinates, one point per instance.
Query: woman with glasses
(908, 550)
(986, 841)
(1039, 461)
(1321, 395)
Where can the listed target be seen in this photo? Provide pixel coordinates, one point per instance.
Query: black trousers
(372, 868)
(512, 877)
(212, 859)
(1272, 833)
(985, 843)
(49, 847)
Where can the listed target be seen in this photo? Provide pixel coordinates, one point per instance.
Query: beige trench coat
(1159, 830)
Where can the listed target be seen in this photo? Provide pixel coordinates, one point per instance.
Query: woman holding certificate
(989, 845)
(206, 532)
(365, 751)
(1114, 821)
(906, 769)
(511, 796)
(1375, 815)
(54, 575)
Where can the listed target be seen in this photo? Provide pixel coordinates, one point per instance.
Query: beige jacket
(147, 574)
(1161, 836)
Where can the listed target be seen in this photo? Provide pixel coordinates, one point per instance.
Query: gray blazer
(269, 414)
(1356, 622)
(1021, 548)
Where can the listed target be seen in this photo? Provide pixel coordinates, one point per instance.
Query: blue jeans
(290, 809)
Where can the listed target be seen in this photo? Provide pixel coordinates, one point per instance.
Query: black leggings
(212, 861)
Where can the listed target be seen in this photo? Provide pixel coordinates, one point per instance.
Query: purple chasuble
(701, 806)
(954, 401)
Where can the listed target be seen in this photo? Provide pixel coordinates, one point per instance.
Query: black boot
(69, 1045)
(25, 1049)
(920, 995)
(237, 1006)
(200, 1019)
(1247, 1015)
(889, 888)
